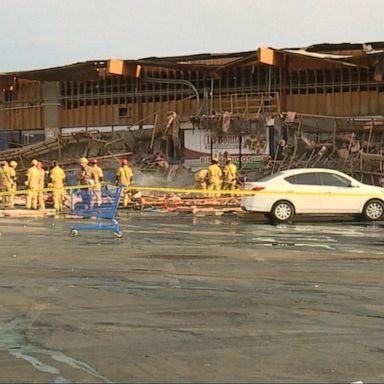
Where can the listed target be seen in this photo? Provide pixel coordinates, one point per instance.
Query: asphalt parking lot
(192, 299)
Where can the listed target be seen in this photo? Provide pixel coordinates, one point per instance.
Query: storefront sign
(199, 145)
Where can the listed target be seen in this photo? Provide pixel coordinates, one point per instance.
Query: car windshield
(270, 177)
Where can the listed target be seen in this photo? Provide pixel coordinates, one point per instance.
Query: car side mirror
(353, 184)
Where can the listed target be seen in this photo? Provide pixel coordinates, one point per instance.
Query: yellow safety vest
(214, 173)
(230, 171)
(57, 177)
(124, 175)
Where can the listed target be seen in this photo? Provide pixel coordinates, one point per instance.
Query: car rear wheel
(282, 211)
(373, 210)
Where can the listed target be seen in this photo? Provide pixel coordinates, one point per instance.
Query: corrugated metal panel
(317, 55)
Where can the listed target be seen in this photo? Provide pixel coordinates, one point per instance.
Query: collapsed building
(270, 109)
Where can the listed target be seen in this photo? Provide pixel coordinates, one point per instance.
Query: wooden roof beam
(296, 60)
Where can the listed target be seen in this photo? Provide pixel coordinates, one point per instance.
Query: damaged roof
(318, 55)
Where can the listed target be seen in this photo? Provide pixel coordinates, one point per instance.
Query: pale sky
(47, 33)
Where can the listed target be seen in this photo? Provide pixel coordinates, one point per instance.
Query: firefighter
(40, 193)
(13, 185)
(57, 177)
(3, 176)
(124, 177)
(3, 165)
(85, 174)
(229, 175)
(5, 181)
(201, 178)
(32, 183)
(98, 176)
(214, 175)
(85, 177)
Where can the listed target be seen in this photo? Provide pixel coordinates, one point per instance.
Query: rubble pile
(355, 147)
(107, 147)
(187, 204)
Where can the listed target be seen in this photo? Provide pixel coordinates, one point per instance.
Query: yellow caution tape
(138, 188)
(249, 192)
(193, 190)
(207, 192)
(50, 189)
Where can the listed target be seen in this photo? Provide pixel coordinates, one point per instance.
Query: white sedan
(313, 191)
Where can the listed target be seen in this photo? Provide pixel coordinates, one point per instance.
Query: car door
(338, 194)
(302, 191)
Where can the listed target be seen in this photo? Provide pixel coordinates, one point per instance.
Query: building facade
(331, 80)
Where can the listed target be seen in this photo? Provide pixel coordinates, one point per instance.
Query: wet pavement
(184, 298)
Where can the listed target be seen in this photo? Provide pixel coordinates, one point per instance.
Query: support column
(51, 109)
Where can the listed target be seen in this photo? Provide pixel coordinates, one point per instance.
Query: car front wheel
(374, 210)
(282, 211)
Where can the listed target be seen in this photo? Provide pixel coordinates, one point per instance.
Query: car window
(303, 179)
(270, 177)
(333, 180)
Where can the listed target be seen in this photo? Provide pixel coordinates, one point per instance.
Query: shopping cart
(83, 203)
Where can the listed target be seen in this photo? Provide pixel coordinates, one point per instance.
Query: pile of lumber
(353, 147)
(21, 213)
(68, 149)
(191, 204)
(175, 200)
